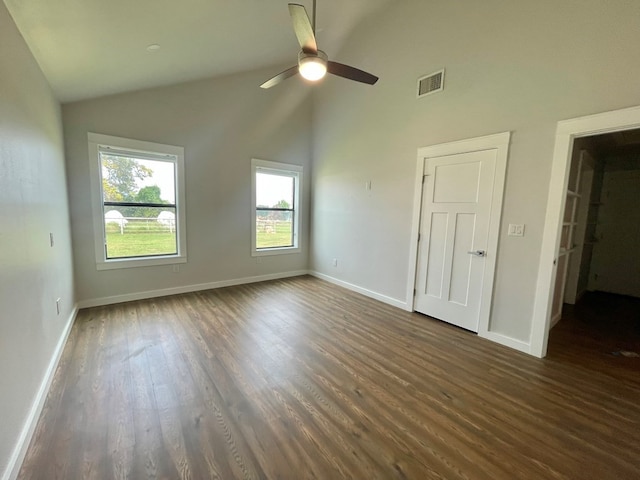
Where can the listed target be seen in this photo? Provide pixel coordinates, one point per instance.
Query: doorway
(600, 298)
(613, 136)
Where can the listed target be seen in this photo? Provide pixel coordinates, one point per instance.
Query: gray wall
(33, 203)
(517, 66)
(221, 123)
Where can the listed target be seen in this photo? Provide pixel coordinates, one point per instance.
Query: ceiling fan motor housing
(312, 66)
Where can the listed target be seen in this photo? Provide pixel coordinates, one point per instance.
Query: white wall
(221, 123)
(509, 66)
(615, 266)
(33, 203)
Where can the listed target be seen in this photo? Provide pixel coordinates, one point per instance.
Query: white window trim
(102, 263)
(280, 169)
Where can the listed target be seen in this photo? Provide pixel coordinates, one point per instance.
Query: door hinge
(418, 237)
(414, 292)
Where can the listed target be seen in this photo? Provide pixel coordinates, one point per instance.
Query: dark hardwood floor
(597, 333)
(297, 379)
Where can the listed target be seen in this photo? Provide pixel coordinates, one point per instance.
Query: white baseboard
(363, 291)
(493, 336)
(97, 302)
(20, 450)
(507, 341)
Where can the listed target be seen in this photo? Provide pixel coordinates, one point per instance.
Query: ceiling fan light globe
(312, 68)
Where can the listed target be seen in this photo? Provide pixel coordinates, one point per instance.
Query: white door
(572, 238)
(583, 235)
(454, 237)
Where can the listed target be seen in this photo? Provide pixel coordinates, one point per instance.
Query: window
(138, 207)
(276, 208)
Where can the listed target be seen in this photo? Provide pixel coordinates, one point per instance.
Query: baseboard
(20, 450)
(363, 291)
(97, 302)
(494, 337)
(507, 341)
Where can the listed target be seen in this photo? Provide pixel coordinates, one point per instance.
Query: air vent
(431, 83)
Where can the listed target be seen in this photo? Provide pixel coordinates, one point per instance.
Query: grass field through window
(140, 244)
(278, 235)
(140, 239)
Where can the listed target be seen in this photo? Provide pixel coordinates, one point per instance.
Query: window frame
(285, 170)
(152, 151)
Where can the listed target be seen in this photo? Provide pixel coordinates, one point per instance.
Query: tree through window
(130, 186)
(140, 211)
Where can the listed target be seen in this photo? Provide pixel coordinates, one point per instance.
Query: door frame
(566, 132)
(500, 143)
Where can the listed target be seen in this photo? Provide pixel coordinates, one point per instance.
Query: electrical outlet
(258, 259)
(51, 242)
(335, 262)
(176, 268)
(58, 306)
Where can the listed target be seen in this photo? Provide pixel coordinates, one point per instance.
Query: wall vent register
(432, 83)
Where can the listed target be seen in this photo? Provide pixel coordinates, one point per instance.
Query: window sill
(265, 252)
(140, 262)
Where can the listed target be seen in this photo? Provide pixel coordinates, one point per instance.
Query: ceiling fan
(313, 64)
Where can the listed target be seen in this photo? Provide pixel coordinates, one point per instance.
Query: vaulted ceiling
(90, 48)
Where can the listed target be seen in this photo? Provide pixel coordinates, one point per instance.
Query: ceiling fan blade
(351, 73)
(290, 72)
(303, 29)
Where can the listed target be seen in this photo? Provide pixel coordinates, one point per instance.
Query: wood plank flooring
(300, 379)
(593, 333)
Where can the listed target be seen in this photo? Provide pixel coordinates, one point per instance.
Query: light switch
(516, 230)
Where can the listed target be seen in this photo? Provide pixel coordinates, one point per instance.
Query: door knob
(478, 253)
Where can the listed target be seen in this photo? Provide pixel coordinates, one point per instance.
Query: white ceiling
(90, 48)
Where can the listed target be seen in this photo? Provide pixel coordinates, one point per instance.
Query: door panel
(437, 250)
(556, 307)
(457, 183)
(461, 264)
(455, 217)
